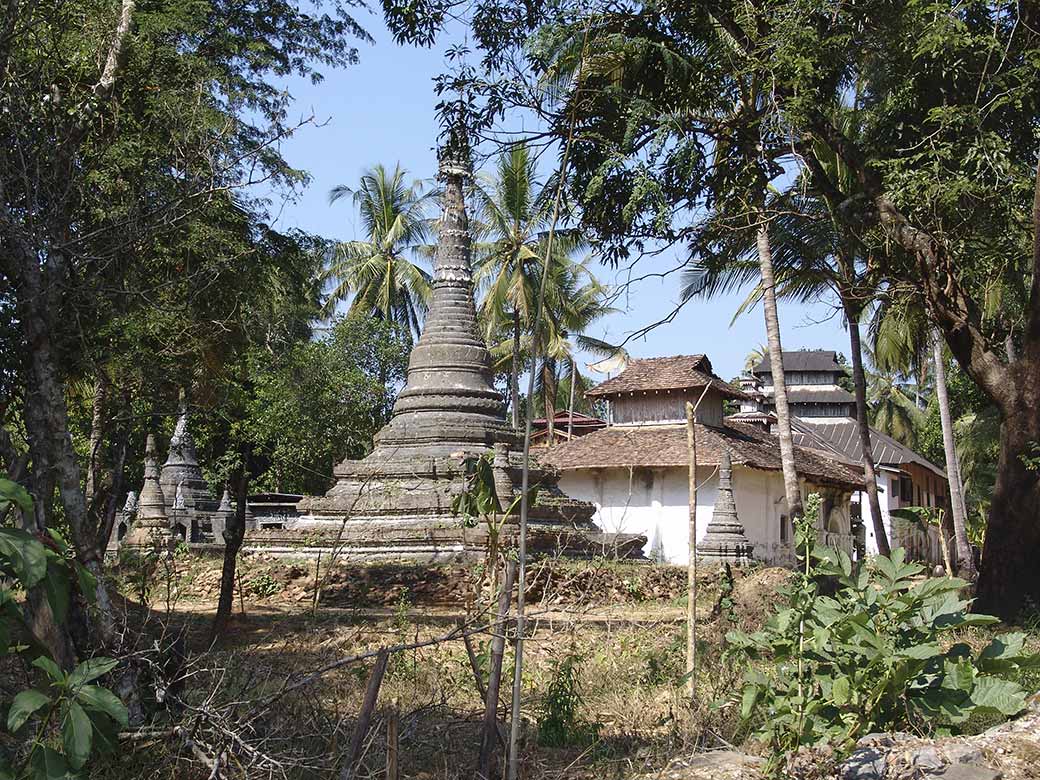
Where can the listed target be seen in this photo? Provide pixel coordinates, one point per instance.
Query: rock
(963, 754)
(967, 772)
(865, 763)
(926, 759)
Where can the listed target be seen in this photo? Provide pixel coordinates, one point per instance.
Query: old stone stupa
(397, 502)
(725, 541)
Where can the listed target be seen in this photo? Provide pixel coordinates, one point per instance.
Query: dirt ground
(603, 668)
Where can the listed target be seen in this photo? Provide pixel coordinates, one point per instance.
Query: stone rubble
(1009, 751)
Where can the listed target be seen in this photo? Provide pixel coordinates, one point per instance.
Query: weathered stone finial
(225, 501)
(130, 507)
(151, 525)
(725, 540)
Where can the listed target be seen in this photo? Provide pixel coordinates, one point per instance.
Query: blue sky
(382, 110)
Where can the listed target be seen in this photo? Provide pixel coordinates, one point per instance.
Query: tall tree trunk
(38, 614)
(859, 381)
(570, 405)
(47, 425)
(234, 533)
(1010, 579)
(97, 423)
(514, 374)
(792, 491)
(549, 389)
(965, 560)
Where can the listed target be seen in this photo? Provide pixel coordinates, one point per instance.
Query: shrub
(559, 723)
(85, 715)
(869, 657)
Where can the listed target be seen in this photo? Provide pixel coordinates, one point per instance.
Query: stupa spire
(151, 525)
(449, 402)
(725, 539)
(181, 473)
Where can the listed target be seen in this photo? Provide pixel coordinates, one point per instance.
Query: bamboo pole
(392, 743)
(691, 565)
(498, 649)
(513, 765)
(375, 679)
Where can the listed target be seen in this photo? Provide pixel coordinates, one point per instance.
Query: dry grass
(621, 623)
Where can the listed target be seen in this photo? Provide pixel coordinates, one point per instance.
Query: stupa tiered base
(392, 507)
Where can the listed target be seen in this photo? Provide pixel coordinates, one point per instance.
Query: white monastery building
(827, 411)
(636, 469)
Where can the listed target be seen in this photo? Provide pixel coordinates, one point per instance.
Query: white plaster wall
(631, 502)
(925, 544)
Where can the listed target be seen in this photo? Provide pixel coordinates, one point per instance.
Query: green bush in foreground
(70, 717)
(869, 658)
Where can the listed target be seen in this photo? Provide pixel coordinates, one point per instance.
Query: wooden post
(498, 645)
(691, 566)
(375, 679)
(392, 772)
(317, 585)
(478, 679)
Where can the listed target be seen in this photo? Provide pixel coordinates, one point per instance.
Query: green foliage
(477, 501)
(86, 715)
(306, 407)
(263, 585)
(872, 657)
(559, 722)
(384, 282)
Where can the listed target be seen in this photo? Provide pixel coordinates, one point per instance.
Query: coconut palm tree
(513, 214)
(754, 357)
(800, 254)
(379, 272)
(892, 411)
(904, 342)
(574, 301)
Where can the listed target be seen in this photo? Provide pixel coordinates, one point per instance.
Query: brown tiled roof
(657, 446)
(679, 372)
(564, 416)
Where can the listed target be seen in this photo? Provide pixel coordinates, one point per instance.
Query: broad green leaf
(49, 668)
(87, 582)
(748, 700)
(49, 764)
(91, 669)
(26, 556)
(1006, 697)
(77, 733)
(960, 675)
(1006, 652)
(102, 699)
(15, 493)
(921, 652)
(23, 707)
(56, 586)
(59, 540)
(841, 690)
